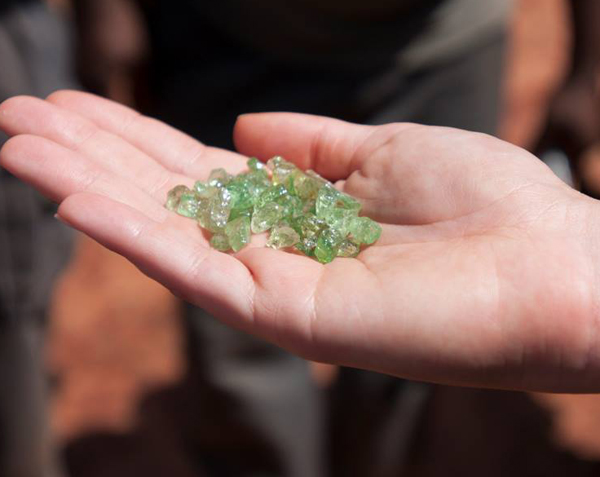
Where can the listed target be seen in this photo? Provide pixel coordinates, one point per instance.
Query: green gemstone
(301, 210)
(282, 171)
(218, 177)
(340, 219)
(220, 208)
(348, 203)
(255, 165)
(204, 190)
(238, 233)
(309, 227)
(235, 213)
(327, 245)
(188, 204)
(240, 195)
(257, 183)
(266, 217)
(205, 221)
(364, 230)
(174, 196)
(282, 237)
(348, 249)
(271, 195)
(326, 200)
(292, 205)
(220, 242)
(305, 186)
(308, 250)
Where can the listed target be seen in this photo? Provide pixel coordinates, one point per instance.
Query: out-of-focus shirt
(357, 33)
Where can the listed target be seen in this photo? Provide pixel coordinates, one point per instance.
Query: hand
(486, 273)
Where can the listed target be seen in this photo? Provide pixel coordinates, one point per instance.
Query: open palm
(485, 273)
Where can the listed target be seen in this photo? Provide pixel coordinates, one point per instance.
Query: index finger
(172, 148)
(331, 147)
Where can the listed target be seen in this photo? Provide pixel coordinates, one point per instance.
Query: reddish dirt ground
(115, 335)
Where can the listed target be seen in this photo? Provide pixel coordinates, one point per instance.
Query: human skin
(486, 273)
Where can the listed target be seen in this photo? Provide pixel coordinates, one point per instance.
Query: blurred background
(115, 343)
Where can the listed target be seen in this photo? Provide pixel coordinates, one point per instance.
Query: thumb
(328, 146)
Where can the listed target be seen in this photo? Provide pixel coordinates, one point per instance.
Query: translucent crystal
(364, 230)
(348, 249)
(204, 218)
(238, 233)
(282, 237)
(292, 205)
(204, 190)
(301, 209)
(255, 165)
(174, 196)
(257, 183)
(305, 249)
(220, 242)
(326, 200)
(282, 171)
(240, 195)
(266, 217)
(271, 195)
(188, 204)
(309, 227)
(305, 186)
(220, 207)
(348, 203)
(218, 177)
(327, 245)
(235, 213)
(340, 219)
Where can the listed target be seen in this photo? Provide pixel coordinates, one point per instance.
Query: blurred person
(34, 60)
(573, 119)
(434, 62)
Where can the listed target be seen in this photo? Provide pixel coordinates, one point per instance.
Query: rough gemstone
(364, 230)
(218, 177)
(220, 207)
(174, 196)
(188, 204)
(282, 171)
(240, 195)
(340, 219)
(271, 194)
(266, 217)
(220, 242)
(282, 237)
(255, 165)
(306, 187)
(327, 245)
(238, 233)
(204, 190)
(235, 213)
(348, 249)
(301, 209)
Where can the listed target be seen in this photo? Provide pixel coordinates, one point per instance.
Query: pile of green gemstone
(300, 209)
